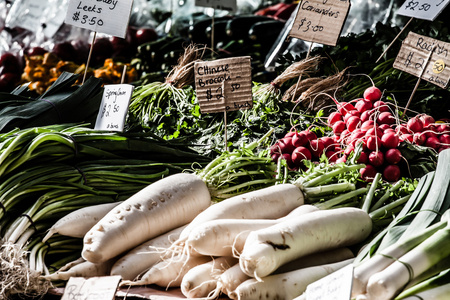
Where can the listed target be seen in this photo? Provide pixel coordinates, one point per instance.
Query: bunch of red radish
(368, 121)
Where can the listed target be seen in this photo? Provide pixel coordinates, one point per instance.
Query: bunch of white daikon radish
(262, 244)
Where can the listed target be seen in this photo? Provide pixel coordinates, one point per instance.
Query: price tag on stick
(105, 16)
(114, 107)
(426, 58)
(320, 21)
(336, 286)
(224, 84)
(94, 288)
(422, 9)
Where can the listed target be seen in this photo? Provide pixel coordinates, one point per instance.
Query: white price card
(422, 9)
(230, 5)
(336, 286)
(224, 84)
(94, 288)
(114, 107)
(320, 21)
(105, 16)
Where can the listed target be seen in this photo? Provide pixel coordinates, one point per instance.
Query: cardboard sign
(94, 288)
(426, 58)
(230, 5)
(422, 9)
(114, 107)
(320, 21)
(336, 286)
(224, 84)
(105, 16)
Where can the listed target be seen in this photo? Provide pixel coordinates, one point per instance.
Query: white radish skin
(287, 285)
(267, 249)
(141, 258)
(169, 272)
(161, 206)
(226, 237)
(229, 280)
(81, 268)
(388, 283)
(77, 223)
(317, 259)
(268, 203)
(201, 281)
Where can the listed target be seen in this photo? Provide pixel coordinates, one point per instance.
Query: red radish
(353, 122)
(333, 118)
(349, 150)
(384, 127)
(338, 127)
(309, 135)
(341, 159)
(352, 113)
(299, 139)
(290, 134)
(372, 93)
(287, 157)
(432, 142)
(443, 128)
(406, 137)
(402, 129)
(373, 143)
(427, 120)
(285, 145)
(376, 158)
(363, 105)
(445, 139)
(316, 147)
(415, 125)
(368, 173)
(419, 138)
(430, 131)
(331, 155)
(327, 141)
(356, 138)
(344, 136)
(375, 131)
(386, 118)
(393, 156)
(363, 158)
(299, 154)
(365, 116)
(343, 107)
(380, 106)
(365, 126)
(390, 140)
(391, 173)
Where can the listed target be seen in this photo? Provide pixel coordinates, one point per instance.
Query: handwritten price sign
(224, 84)
(106, 16)
(320, 21)
(423, 9)
(425, 58)
(114, 107)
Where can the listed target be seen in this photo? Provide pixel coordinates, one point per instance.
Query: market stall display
(332, 166)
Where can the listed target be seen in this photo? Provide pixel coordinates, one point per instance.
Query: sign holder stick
(300, 77)
(124, 73)
(212, 32)
(419, 79)
(390, 45)
(89, 58)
